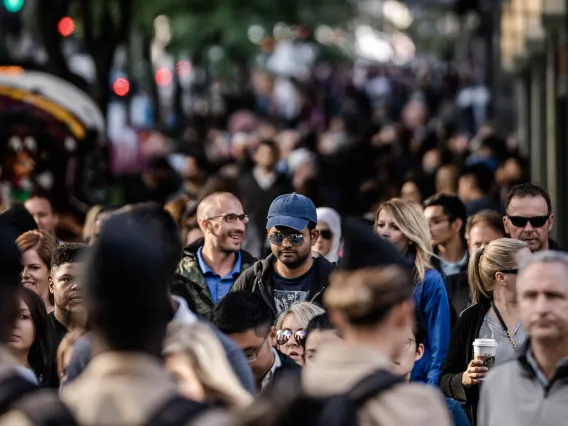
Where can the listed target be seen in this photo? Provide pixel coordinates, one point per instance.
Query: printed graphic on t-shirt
(283, 299)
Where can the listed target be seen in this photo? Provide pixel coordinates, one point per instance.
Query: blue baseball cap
(292, 211)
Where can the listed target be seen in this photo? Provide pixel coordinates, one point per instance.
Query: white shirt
(270, 375)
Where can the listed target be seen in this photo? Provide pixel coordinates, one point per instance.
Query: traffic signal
(13, 6)
(66, 26)
(121, 86)
(163, 77)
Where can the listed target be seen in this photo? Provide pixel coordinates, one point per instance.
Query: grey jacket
(513, 395)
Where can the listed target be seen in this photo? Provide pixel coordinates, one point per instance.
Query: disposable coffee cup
(485, 350)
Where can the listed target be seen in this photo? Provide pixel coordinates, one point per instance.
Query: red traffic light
(66, 26)
(163, 77)
(121, 86)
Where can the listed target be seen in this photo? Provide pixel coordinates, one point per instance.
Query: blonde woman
(403, 223)
(197, 360)
(492, 278)
(291, 329)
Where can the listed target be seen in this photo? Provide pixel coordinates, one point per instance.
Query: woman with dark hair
(29, 342)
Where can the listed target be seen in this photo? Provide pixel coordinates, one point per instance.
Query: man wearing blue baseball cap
(292, 273)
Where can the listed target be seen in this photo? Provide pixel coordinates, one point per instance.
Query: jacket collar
(191, 251)
(531, 368)
(553, 245)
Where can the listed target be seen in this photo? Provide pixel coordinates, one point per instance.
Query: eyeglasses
(253, 356)
(510, 271)
(231, 218)
(283, 336)
(295, 239)
(408, 344)
(535, 221)
(326, 234)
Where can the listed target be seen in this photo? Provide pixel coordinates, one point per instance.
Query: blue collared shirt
(218, 287)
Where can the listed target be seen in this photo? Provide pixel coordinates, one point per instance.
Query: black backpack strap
(12, 388)
(372, 385)
(176, 411)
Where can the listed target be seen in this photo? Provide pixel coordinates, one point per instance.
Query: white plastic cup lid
(487, 343)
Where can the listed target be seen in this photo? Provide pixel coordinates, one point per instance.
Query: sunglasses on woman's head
(295, 239)
(326, 234)
(535, 221)
(283, 336)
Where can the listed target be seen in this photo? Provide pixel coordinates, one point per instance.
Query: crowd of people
(380, 318)
(338, 257)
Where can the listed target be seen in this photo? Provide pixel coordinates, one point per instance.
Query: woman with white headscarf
(329, 227)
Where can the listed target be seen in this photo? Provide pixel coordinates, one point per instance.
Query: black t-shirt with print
(288, 291)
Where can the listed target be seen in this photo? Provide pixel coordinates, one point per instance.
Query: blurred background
(114, 101)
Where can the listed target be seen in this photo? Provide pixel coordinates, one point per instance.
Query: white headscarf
(332, 218)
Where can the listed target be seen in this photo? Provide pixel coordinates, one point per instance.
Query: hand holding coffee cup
(484, 352)
(474, 374)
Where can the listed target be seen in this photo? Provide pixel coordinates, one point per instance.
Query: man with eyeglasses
(290, 274)
(248, 321)
(529, 217)
(211, 265)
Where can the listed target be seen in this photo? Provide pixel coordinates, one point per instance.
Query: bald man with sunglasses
(529, 217)
(293, 272)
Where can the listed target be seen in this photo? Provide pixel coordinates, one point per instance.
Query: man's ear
(51, 285)
(315, 235)
(419, 352)
(272, 336)
(457, 225)
(506, 225)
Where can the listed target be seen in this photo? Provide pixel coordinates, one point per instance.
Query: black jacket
(288, 367)
(289, 371)
(460, 354)
(258, 279)
(458, 289)
(553, 245)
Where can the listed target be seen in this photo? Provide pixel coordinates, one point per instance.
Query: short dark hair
(125, 273)
(67, 253)
(154, 218)
(9, 279)
(240, 311)
(451, 204)
(39, 193)
(273, 146)
(529, 190)
(319, 322)
(483, 176)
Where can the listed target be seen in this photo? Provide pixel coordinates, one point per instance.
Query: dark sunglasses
(510, 271)
(326, 234)
(295, 239)
(521, 222)
(283, 336)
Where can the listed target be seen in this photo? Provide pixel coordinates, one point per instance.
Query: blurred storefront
(534, 53)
